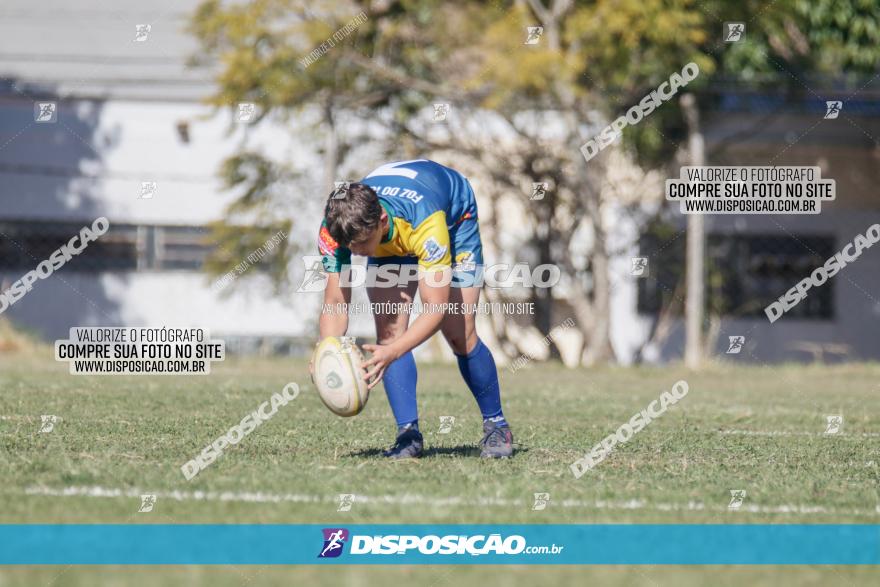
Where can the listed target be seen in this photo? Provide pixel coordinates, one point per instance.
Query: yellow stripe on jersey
(429, 241)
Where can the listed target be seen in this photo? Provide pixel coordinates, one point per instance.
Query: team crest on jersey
(326, 244)
(433, 250)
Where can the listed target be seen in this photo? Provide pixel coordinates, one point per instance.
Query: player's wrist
(397, 349)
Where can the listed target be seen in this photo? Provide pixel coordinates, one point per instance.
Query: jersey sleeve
(429, 241)
(333, 257)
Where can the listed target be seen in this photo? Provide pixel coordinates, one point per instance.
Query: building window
(24, 245)
(125, 247)
(744, 273)
(182, 248)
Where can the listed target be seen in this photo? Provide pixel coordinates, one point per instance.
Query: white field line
(796, 433)
(411, 499)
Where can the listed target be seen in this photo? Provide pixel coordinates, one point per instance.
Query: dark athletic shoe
(407, 446)
(497, 441)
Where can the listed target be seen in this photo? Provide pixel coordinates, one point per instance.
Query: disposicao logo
(412, 544)
(334, 540)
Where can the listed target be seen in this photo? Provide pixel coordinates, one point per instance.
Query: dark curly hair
(352, 212)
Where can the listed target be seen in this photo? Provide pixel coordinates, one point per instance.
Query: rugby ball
(338, 376)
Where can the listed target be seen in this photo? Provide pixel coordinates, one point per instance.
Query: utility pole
(696, 245)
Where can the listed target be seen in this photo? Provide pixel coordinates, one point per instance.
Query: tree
(395, 65)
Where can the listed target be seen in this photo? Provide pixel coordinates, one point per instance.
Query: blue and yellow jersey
(424, 201)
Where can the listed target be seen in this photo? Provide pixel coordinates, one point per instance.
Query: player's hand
(383, 355)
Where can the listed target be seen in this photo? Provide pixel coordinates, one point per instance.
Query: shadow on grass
(462, 450)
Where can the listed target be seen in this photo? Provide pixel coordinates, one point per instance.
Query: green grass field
(758, 429)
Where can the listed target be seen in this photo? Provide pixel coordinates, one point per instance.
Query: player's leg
(477, 367)
(475, 360)
(401, 376)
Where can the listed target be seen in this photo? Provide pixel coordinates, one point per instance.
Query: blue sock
(400, 386)
(479, 372)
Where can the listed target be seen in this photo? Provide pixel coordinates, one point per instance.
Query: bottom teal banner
(278, 544)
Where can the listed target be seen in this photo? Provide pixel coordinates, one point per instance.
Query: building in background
(127, 137)
(754, 259)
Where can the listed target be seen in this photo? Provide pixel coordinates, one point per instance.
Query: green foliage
(251, 218)
(829, 37)
(627, 47)
(845, 34)
(235, 243)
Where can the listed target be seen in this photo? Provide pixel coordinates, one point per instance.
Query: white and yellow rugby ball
(338, 375)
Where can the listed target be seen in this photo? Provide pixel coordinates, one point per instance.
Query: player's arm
(435, 297)
(334, 312)
(430, 242)
(333, 320)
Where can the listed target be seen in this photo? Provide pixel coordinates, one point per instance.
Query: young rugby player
(406, 213)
